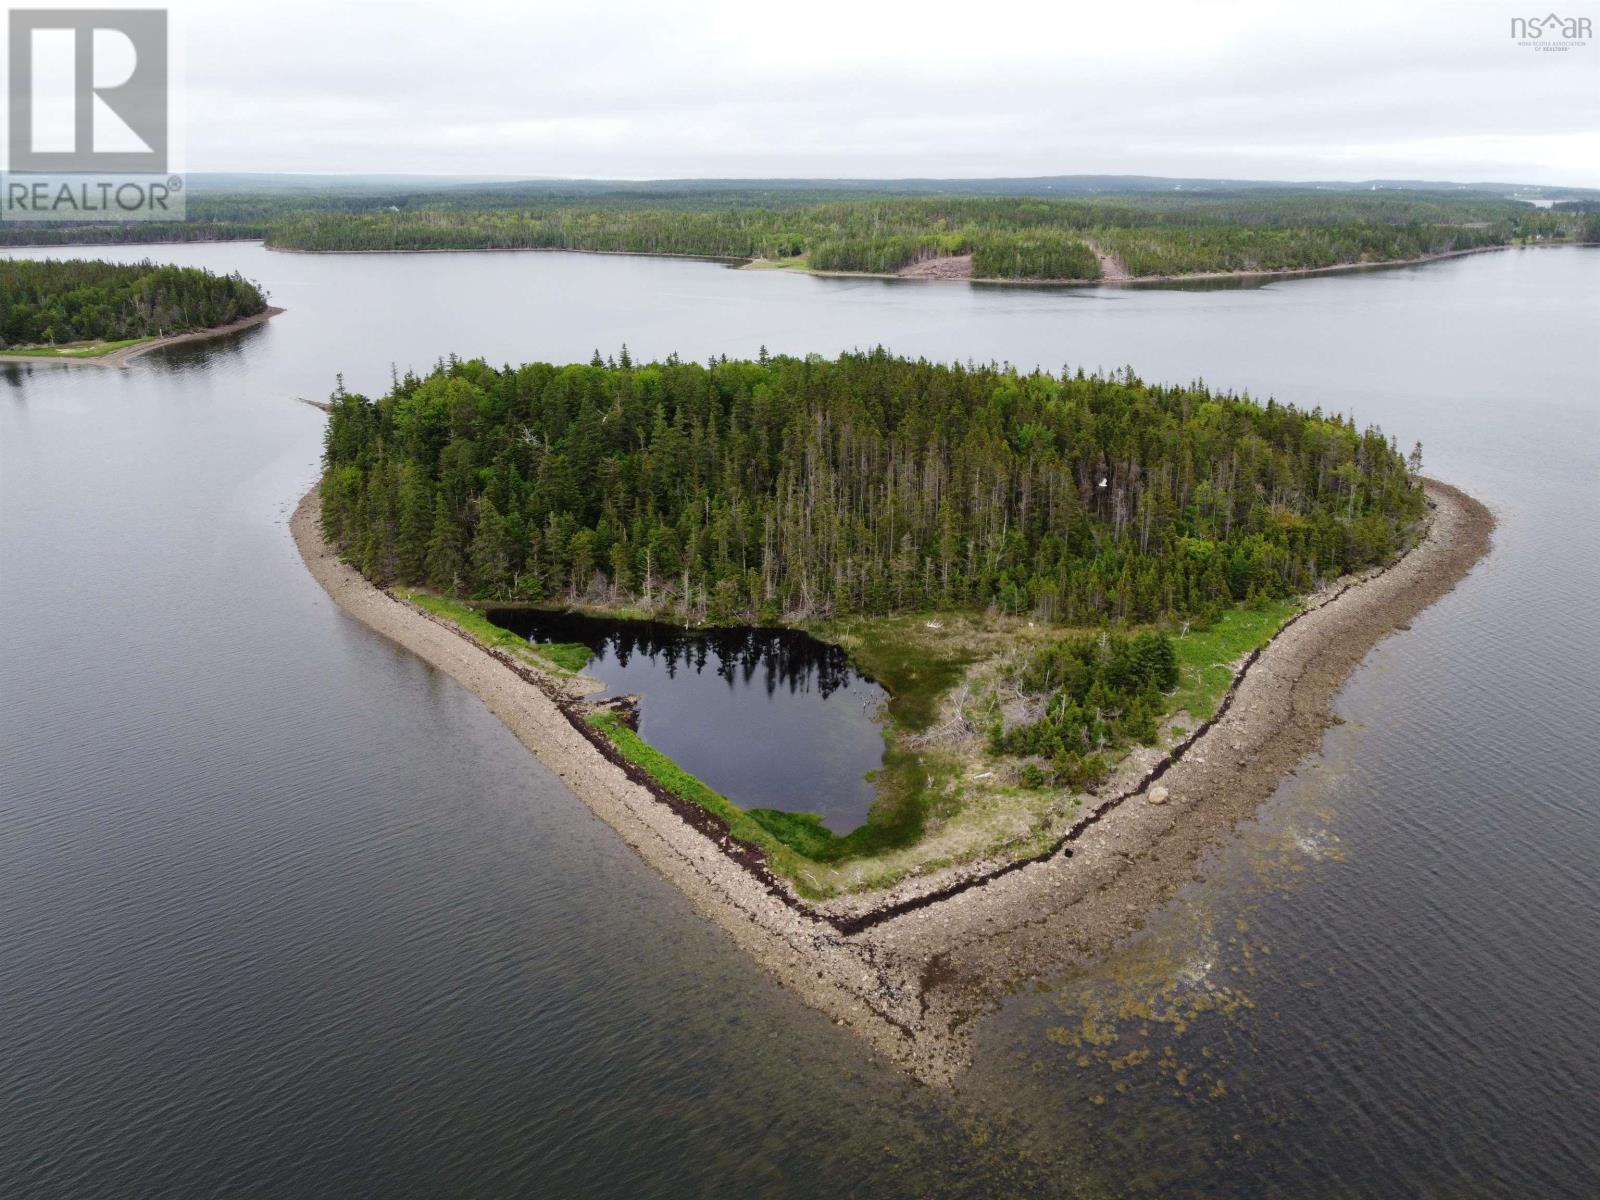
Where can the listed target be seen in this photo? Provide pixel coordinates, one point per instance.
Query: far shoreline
(119, 359)
(1137, 281)
(741, 263)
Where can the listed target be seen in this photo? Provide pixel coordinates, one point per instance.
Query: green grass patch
(1206, 657)
(797, 263)
(570, 656)
(566, 656)
(95, 350)
(915, 668)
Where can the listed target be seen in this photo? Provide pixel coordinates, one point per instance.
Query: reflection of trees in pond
(768, 658)
(783, 658)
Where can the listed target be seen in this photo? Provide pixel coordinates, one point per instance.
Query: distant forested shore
(1007, 238)
(1149, 235)
(789, 488)
(50, 302)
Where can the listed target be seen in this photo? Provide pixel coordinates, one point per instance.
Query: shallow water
(771, 718)
(284, 912)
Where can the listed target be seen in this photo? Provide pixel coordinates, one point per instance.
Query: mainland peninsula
(1109, 616)
(1062, 230)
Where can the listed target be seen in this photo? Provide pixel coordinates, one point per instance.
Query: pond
(771, 718)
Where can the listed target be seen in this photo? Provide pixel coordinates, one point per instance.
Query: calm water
(771, 718)
(284, 912)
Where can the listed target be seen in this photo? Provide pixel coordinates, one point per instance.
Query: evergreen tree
(444, 550)
(868, 483)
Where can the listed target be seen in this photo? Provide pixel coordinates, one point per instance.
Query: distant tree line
(49, 302)
(77, 233)
(796, 487)
(1009, 236)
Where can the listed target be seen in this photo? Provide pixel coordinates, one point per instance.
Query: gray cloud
(859, 89)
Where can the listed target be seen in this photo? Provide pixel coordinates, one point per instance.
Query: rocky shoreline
(909, 971)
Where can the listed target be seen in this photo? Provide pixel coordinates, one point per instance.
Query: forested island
(1035, 234)
(99, 306)
(1044, 570)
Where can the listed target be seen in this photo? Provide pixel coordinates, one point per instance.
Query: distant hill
(1036, 185)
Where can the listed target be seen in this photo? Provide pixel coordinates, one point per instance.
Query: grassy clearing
(564, 657)
(1206, 658)
(798, 263)
(75, 350)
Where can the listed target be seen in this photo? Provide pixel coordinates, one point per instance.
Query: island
(106, 314)
(1109, 616)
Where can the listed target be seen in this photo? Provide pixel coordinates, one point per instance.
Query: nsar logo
(1551, 32)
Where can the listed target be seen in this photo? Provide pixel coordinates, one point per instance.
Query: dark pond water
(285, 913)
(771, 718)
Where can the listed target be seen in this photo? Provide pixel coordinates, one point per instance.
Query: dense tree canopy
(49, 302)
(868, 483)
(1009, 237)
(1011, 232)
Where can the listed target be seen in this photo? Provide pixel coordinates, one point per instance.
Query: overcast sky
(857, 88)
